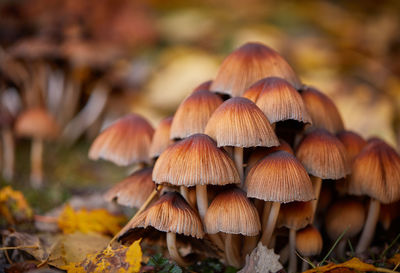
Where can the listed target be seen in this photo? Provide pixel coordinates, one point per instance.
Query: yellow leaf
(119, 259)
(13, 206)
(98, 220)
(352, 264)
(395, 259)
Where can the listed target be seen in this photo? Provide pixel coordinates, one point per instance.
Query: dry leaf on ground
(262, 260)
(352, 265)
(13, 206)
(119, 259)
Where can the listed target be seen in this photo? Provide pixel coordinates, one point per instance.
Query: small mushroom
(309, 243)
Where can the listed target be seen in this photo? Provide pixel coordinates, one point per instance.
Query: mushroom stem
(304, 266)
(232, 253)
(292, 253)
(173, 250)
(37, 163)
(202, 206)
(317, 183)
(341, 248)
(250, 242)
(238, 157)
(265, 214)
(9, 154)
(270, 226)
(184, 192)
(369, 227)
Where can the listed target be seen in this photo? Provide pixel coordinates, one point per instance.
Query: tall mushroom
(232, 213)
(171, 214)
(39, 125)
(238, 122)
(376, 173)
(248, 64)
(278, 178)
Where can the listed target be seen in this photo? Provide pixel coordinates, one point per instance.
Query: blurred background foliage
(125, 56)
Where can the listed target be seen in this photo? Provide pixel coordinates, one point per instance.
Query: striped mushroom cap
(195, 160)
(170, 213)
(353, 143)
(36, 123)
(232, 212)
(279, 177)
(323, 155)
(133, 190)
(125, 142)
(324, 113)
(239, 122)
(248, 64)
(193, 113)
(203, 86)
(161, 140)
(279, 100)
(376, 172)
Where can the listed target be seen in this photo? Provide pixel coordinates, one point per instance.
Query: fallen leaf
(120, 259)
(351, 265)
(13, 206)
(261, 260)
(395, 259)
(97, 220)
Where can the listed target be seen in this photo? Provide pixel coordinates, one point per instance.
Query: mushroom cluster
(248, 158)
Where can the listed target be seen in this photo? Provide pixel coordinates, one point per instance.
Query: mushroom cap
(232, 212)
(248, 64)
(170, 213)
(125, 142)
(345, 215)
(389, 212)
(36, 123)
(309, 241)
(353, 143)
(279, 177)
(161, 140)
(322, 110)
(262, 152)
(295, 215)
(376, 172)
(133, 190)
(239, 122)
(323, 155)
(203, 86)
(195, 160)
(279, 100)
(193, 113)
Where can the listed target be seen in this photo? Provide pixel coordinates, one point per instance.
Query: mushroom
(232, 212)
(134, 190)
(309, 243)
(193, 113)
(39, 125)
(203, 86)
(388, 213)
(6, 124)
(125, 142)
(294, 216)
(238, 122)
(376, 173)
(324, 157)
(345, 217)
(196, 161)
(248, 64)
(161, 139)
(278, 178)
(324, 113)
(171, 214)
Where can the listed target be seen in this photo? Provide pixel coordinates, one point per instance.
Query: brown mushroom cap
(133, 190)
(309, 241)
(232, 212)
(323, 155)
(376, 172)
(36, 123)
(295, 215)
(353, 143)
(170, 213)
(126, 141)
(195, 160)
(345, 215)
(248, 64)
(279, 177)
(239, 122)
(279, 100)
(203, 86)
(161, 140)
(193, 113)
(322, 110)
